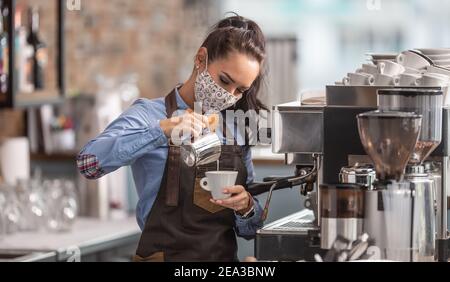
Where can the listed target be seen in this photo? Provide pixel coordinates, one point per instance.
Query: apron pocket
(156, 257)
(202, 197)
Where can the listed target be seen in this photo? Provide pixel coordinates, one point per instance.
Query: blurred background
(157, 39)
(97, 57)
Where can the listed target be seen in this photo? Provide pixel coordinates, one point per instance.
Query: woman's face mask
(213, 97)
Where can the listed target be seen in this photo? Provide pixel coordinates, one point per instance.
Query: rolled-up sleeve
(247, 227)
(125, 140)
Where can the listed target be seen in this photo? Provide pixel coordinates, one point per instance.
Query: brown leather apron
(183, 225)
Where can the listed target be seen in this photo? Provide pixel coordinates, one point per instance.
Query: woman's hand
(189, 123)
(240, 200)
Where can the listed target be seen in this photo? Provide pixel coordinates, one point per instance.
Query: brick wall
(153, 38)
(12, 123)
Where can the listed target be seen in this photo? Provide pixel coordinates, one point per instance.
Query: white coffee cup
(413, 71)
(432, 80)
(390, 68)
(433, 69)
(368, 68)
(443, 62)
(438, 75)
(358, 79)
(434, 51)
(406, 79)
(412, 60)
(439, 57)
(383, 80)
(216, 181)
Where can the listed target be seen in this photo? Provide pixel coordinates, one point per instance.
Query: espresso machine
(356, 180)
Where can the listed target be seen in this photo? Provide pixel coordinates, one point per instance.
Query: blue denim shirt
(136, 139)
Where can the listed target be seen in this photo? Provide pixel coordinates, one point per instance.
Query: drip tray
(291, 238)
(297, 223)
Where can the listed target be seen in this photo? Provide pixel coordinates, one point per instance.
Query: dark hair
(236, 33)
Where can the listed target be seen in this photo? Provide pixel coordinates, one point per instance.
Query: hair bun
(234, 21)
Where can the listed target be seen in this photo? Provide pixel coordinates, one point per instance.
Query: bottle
(39, 49)
(4, 51)
(23, 55)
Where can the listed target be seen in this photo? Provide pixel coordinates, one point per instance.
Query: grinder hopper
(389, 138)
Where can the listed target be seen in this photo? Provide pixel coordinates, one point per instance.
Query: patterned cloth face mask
(213, 97)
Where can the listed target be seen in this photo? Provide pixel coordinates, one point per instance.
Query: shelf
(38, 98)
(63, 156)
(14, 99)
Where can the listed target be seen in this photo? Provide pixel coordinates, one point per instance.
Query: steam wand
(306, 179)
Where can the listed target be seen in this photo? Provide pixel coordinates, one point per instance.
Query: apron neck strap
(171, 103)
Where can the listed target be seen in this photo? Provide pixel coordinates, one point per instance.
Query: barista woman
(179, 220)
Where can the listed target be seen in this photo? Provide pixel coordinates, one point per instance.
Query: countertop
(88, 235)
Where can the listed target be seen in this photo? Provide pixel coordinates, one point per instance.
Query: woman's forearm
(108, 153)
(125, 140)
